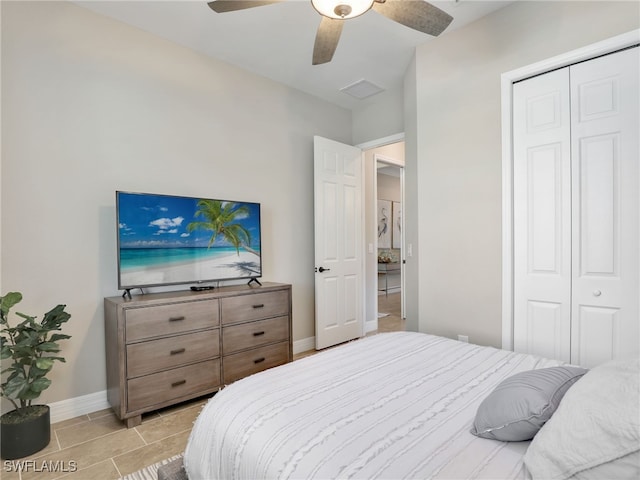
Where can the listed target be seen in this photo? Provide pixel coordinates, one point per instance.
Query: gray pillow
(520, 405)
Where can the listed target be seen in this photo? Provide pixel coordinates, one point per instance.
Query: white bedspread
(389, 406)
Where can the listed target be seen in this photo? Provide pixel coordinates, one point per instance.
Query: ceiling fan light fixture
(342, 9)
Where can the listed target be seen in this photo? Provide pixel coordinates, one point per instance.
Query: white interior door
(339, 284)
(542, 216)
(606, 242)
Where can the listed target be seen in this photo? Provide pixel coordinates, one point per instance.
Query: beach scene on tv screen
(165, 239)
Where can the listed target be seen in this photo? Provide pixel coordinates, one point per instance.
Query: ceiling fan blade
(416, 14)
(222, 6)
(326, 40)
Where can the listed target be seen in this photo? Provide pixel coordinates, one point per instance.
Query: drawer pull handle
(257, 334)
(259, 360)
(260, 305)
(176, 319)
(177, 351)
(178, 383)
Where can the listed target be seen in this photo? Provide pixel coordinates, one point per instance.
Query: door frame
(378, 158)
(507, 80)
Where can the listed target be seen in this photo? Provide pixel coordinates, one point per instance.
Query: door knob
(597, 293)
(322, 269)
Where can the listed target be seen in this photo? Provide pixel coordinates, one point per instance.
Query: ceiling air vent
(362, 89)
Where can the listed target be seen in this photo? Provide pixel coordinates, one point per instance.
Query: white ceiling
(276, 41)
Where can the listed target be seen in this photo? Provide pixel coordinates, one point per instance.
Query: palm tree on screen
(219, 218)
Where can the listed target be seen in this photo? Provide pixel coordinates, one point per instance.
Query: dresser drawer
(170, 319)
(246, 363)
(254, 307)
(254, 334)
(161, 387)
(156, 355)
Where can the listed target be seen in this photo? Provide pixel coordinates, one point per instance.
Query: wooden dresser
(165, 348)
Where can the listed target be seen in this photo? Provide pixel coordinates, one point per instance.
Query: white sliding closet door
(576, 211)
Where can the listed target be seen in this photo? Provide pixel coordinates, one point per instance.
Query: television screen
(169, 240)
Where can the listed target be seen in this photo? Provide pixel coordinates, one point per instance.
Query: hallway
(390, 304)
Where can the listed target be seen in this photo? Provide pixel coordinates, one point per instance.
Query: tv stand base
(202, 288)
(254, 279)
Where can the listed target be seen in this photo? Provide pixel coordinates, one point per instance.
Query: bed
(389, 406)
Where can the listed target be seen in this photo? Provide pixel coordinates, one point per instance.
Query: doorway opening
(384, 236)
(389, 228)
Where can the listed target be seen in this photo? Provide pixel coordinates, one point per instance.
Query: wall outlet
(463, 338)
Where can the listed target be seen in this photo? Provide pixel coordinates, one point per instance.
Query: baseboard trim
(370, 326)
(74, 407)
(304, 345)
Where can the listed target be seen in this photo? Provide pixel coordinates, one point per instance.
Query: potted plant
(28, 352)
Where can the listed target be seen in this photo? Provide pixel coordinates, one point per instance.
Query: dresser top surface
(189, 295)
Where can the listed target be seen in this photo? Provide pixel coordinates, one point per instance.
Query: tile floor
(98, 446)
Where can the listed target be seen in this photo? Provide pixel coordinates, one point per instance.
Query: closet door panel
(599, 204)
(542, 211)
(545, 323)
(594, 335)
(606, 213)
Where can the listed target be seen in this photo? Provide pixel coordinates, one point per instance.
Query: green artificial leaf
(26, 317)
(48, 347)
(29, 394)
(40, 384)
(55, 317)
(8, 301)
(14, 386)
(14, 374)
(5, 352)
(44, 363)
(61, 359)
(59, 336)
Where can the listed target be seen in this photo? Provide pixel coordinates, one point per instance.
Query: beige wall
(454, 151)
(389, 188)
(379, 116)
(90, 106)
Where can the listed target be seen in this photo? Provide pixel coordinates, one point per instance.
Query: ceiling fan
(416, 14)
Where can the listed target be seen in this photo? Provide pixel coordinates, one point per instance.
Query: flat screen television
(170, 240)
